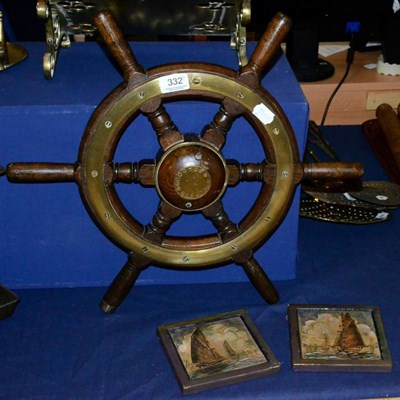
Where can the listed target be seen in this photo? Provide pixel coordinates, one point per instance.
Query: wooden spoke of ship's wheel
(250, 172)
(161, 222)
(228, 230)
(258, 277)
(167, 132)
(123, 282)
(133, 73)
(215, 132)
(142, 172)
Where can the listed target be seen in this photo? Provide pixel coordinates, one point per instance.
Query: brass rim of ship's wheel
(106, 129)
(186, 159)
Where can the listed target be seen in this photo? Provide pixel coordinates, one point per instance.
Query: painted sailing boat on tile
(349, 338)
(209, 360)
(338, 336)
(202, 352)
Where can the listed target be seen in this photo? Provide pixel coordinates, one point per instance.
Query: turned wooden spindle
(161, 222)
(117, 45)
(255, 273)
(30, 172)
(265, 51)
(137, 172)
(333, 171)
(267, 46)
(121, 52)
(123, 283)
(215, 132)
(220, 219)
(166, 130)
(260, 281)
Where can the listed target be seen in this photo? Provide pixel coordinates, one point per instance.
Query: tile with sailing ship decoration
(338, 338)
(217, 350)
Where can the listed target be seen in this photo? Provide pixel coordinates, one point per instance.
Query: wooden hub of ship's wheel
(189, 172)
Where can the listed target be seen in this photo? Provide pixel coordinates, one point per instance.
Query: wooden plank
(375, 98)
(358, 97)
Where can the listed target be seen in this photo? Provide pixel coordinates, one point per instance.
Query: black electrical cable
(349, 61)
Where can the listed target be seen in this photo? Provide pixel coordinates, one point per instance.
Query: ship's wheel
(189, 173)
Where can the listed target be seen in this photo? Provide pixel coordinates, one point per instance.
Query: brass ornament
(10, 53)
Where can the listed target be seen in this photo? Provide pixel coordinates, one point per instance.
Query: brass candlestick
(10, 53)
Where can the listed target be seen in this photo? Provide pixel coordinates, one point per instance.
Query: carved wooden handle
(40, 172)
(122, 284)
(333, 171)
(117, 44)
(268, 45)
(260, 280)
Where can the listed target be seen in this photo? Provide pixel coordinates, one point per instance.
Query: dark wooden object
(390, 125)
(383, 135)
